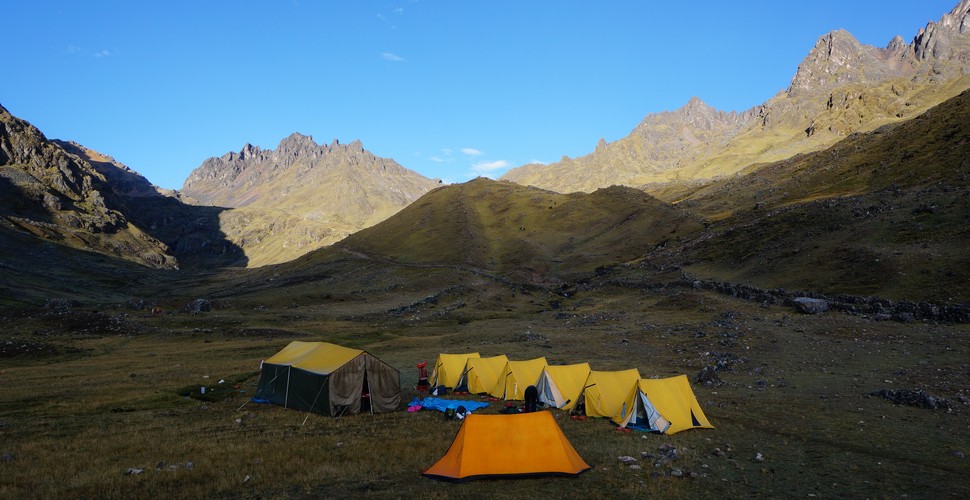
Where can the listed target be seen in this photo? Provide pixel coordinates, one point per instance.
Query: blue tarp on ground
(444, 404)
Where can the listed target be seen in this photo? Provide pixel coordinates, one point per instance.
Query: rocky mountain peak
(938, 51)
(695, 115)
(301, 195)
(837, 58)
(946, 40)
(297, 142)
(249, 151)
(842, 86)
(897, 44)
(696, 105)
(700, 114)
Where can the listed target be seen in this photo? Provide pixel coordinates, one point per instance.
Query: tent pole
(314, 403)
(286, 397)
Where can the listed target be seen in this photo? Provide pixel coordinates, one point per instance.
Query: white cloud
(438, 159)
(484, 167)
(471, 151)
(82, 52)
(388, 56)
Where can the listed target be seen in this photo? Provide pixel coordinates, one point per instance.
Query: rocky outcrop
(838, 59)
(878, 309)
(916, 397)
(809, 305)
(945, 43)
(939, 51)
(57, 195)
(122, 180)
(67, 193)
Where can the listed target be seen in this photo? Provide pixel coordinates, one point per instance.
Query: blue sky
(450, 89)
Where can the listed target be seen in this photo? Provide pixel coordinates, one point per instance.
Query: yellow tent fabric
(561, 385)
(610, 393)
(508, 445)
(481, 374)
(321, 358)
(448, 369)
(675, 400)
(516, 376)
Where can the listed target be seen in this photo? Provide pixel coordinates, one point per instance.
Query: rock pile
(917, 397)
(876, 307)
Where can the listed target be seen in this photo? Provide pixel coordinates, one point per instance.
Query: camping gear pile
(666, 405)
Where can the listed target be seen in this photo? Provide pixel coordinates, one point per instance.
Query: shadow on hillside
(192, 233)
(18, 203)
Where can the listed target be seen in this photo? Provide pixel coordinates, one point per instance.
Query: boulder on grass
(197, 306)
(809, 305)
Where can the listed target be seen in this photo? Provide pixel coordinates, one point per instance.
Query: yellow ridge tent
(481, 374)
(641, 414)
(561, 385)
(516, 376)
(508, 445)
(328, 379)
(448, 369)
(609, 393)
(672, 400)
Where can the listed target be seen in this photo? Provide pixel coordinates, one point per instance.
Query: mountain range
(841, 87)
(853, 180)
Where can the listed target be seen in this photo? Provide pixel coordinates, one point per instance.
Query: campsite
(106, 402)
(766, 298)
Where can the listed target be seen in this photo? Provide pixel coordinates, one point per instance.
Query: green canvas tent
(524, 444)
(561, 385)
(328, 379)
(448, 369)
(666, 405)
(609, 393)
(515, 377)
(481, 374)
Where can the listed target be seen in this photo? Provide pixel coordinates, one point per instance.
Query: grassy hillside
(885, 213)
(505, 227)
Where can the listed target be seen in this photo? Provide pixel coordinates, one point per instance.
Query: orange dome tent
(523, 444)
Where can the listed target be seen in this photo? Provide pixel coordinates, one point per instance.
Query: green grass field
(89, 395)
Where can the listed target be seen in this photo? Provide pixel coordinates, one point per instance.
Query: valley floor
(90, 398)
